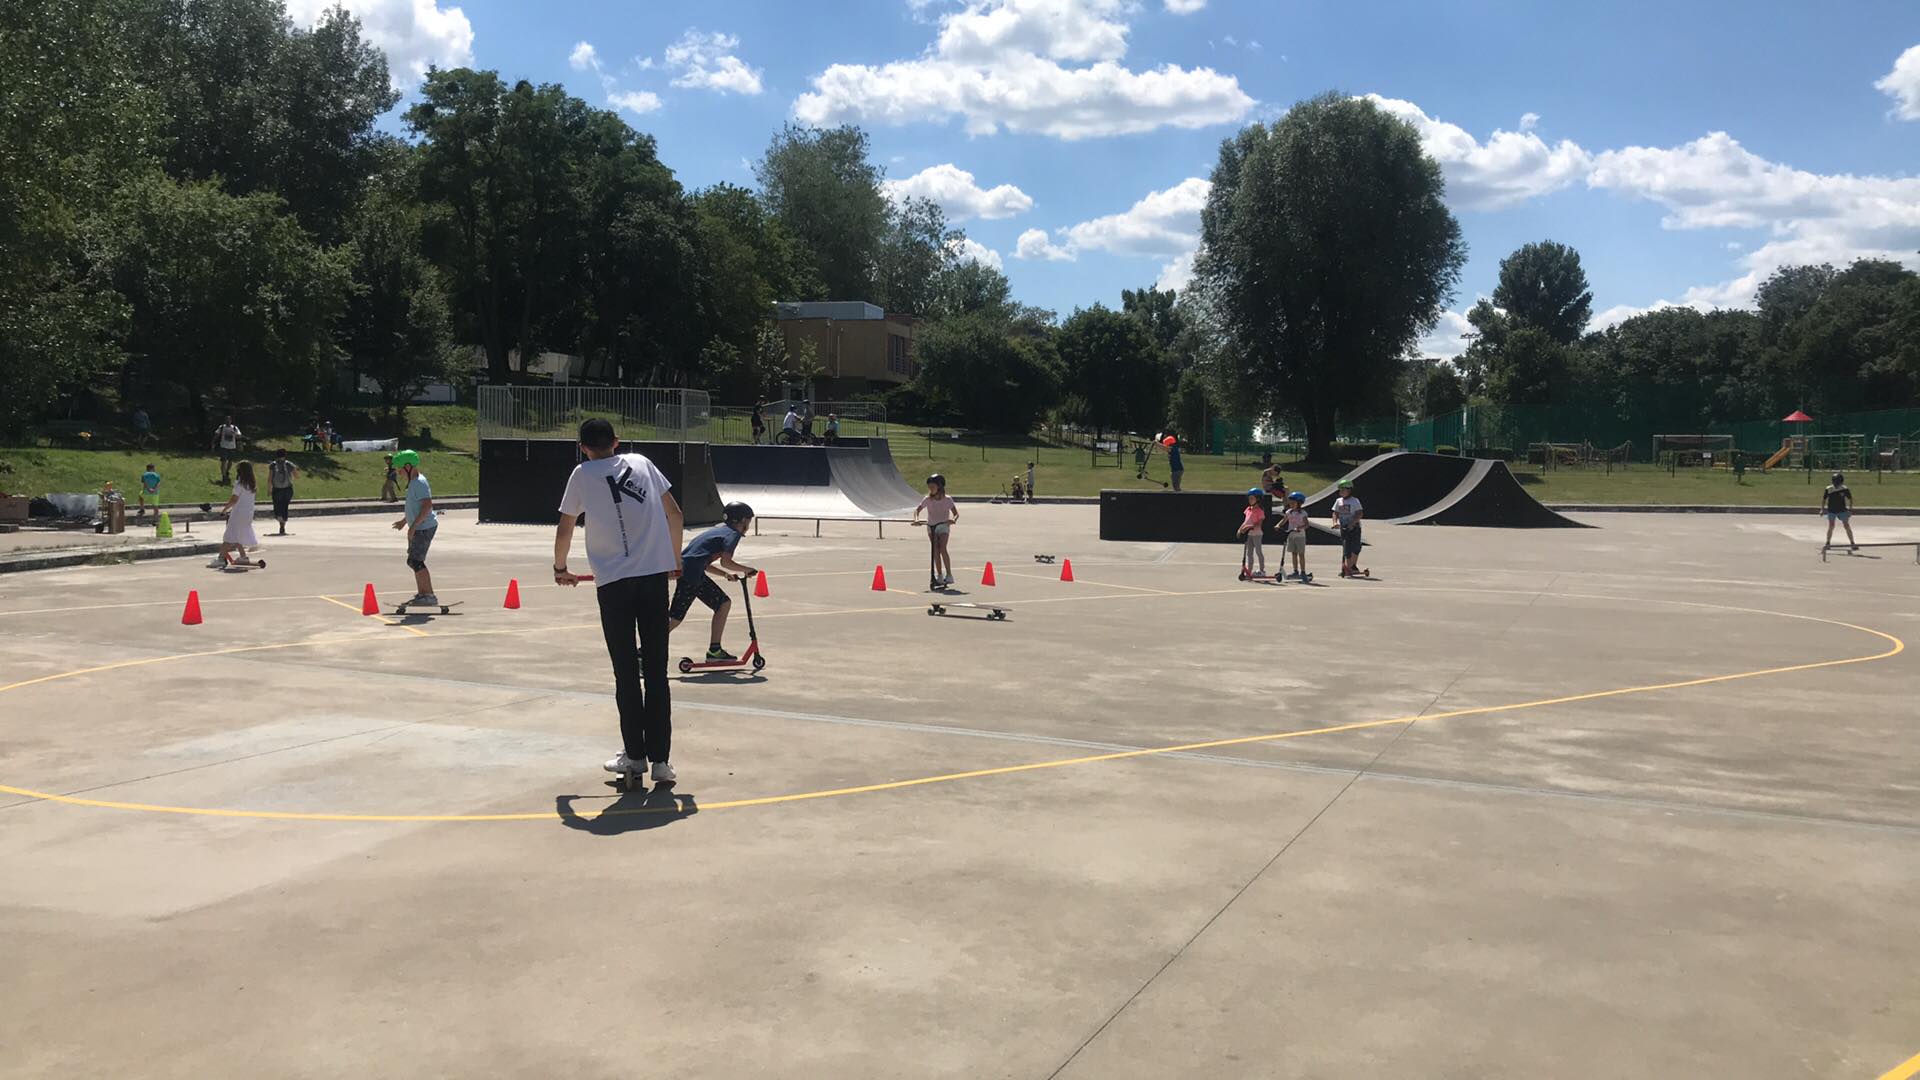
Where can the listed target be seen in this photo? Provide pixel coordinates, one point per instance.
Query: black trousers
(629, 606)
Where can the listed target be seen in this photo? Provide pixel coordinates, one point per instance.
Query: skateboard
(446, 608)
(1358, 573)
(993, 614)
(1045, 558)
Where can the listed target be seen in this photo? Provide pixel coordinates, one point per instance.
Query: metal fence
(638, 414)
(858, 419)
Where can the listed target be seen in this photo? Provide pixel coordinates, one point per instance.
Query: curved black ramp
(1187, 517)
(1396, 484)
(1490, 496)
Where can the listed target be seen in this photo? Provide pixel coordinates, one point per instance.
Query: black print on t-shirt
(619, 484)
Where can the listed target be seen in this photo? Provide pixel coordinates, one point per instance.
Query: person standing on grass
(149, 490)
(226, 441)
(1347, 515)
(420, 524)
(634, 529)
(1175, 468)
(1029, 481)
(1837, 503)
(1253, 527)
(280, 474)
(390, 488)
(239, 510)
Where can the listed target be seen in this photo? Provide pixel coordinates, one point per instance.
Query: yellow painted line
(390, 622)
(1896, 646)
(1906, 1070)
(1078, 580)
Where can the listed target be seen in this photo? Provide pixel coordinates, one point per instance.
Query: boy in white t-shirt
(1347, 515)
(633, 546)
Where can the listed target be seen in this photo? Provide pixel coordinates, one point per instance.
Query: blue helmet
(1296, 496)
(1254, 491)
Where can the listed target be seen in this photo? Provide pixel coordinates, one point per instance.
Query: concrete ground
(1637, 801)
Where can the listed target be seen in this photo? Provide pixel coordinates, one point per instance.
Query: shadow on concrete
(630, 811)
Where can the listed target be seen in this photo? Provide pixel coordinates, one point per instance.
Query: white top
(240, 519)
(623, 497)
(229, 436)
(792, 423)
(1346, 508)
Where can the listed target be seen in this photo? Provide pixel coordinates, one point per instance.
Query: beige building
(860, 347)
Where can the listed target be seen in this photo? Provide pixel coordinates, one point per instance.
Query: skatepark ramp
(1187, 517)
(1489, 496)
(1396, 485)
(815, 483)
(521, 479)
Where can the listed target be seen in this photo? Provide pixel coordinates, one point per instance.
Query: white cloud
(1449, 337)
(999, 64)
(634, 101)
(967, 248)
(1529, 121)
(1902, 84)
(1509, 168)
(957, 193)
(583, 57)
(706, 62)
(1164, 224)
(1185, 7)
(415, 34)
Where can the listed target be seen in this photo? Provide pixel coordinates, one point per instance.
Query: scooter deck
(445, 609)
(242, 565)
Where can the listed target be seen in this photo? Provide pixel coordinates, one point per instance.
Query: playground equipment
(1681, 451)
(1790, 450)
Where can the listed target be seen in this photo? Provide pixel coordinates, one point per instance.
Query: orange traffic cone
(879, 579)
(513, 594)
(987, 578)
(1066, 569)
(368, 605)
(760, 586)
(191, 616)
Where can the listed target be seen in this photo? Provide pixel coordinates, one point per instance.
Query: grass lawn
(1642, 484)
(193, 475)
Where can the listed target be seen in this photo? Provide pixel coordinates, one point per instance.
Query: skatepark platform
(521, 479)
(1188, 517)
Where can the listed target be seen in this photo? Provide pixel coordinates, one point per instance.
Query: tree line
(198, 202)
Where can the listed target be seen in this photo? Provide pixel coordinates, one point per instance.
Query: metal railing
(661, 414)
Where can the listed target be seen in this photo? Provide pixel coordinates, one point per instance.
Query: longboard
(993, 614)
(1045, 558)
(445, 609)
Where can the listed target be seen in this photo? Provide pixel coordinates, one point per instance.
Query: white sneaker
(425, 599)
(662, 773)
(624, 765)
(217, 564)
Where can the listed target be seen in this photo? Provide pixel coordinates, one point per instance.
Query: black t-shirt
(1839, 499)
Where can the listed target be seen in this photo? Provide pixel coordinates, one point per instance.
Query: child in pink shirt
(1253, 526)
(941, 513)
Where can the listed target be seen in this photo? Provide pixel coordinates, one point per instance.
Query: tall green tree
(1113, 378)
(1330, 250)
(396, 328)
(915, 253)
(823, 188)
(970, 287)
(1159, 309)
(228, 294)
(75, 122)
(264, 105)
(1542, 285)
(985, 377)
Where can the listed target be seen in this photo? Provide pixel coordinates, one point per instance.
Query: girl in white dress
(239, 510)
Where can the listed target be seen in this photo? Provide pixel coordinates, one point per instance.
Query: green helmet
(405, 458)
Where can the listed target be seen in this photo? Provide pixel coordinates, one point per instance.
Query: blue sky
(1685, 149)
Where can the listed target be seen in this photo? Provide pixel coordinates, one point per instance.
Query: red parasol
(1797, 417)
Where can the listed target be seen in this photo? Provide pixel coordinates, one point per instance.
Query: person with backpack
(280, 473)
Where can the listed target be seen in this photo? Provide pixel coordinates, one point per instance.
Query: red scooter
(751, 658)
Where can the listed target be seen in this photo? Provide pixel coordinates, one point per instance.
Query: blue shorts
(1839, 515)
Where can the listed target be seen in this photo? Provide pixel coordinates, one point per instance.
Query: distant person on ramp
(633, 545)
(1347, 516)
(759, 420)
(941, 512)
(420, 524)
(1837, 503)
(716, 545)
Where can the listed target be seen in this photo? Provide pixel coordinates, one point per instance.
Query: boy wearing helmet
(696, 564)
(633, 545)
(1295, 518)
(1837, 503)
(1347, 515)
(420, 525)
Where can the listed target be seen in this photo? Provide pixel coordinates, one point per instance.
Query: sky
(1684, 149)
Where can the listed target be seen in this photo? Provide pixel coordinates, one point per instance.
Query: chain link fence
(638, 414)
